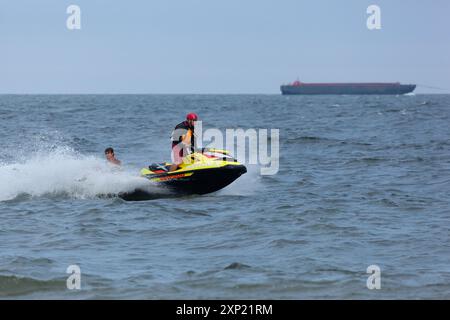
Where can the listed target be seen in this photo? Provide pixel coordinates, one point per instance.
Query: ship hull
(358, 89)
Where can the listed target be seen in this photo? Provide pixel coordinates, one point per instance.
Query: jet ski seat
(159, 167)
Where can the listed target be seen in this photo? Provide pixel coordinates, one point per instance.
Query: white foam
(63, 171)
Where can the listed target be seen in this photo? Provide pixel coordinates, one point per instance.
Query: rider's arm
(187, 138)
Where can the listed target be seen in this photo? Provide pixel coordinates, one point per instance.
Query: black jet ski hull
(200, 182)
(144, 195)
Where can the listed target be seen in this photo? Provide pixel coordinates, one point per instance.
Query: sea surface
(362, 181)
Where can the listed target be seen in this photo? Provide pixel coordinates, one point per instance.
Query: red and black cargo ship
(298, 87)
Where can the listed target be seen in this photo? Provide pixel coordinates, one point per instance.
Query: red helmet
(192, 116)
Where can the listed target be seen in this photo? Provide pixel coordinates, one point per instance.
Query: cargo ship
(299, 87)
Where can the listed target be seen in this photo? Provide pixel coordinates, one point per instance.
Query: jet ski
(201, 172)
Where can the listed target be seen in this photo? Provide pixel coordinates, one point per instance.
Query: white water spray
(64, 172)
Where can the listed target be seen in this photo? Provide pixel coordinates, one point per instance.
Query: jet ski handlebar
(203, 150)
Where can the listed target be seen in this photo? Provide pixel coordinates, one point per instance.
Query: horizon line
(191, 93)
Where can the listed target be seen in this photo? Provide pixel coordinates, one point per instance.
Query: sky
(228, 46)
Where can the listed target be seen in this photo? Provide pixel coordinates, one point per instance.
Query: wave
(330, 141)
(306, 139)
(368, 160)
(11, 285)
(237, 266)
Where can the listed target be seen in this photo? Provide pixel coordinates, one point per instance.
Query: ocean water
(362, 180)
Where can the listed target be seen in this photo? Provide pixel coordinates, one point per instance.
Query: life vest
(184, 133)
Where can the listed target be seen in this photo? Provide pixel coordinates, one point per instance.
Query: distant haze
(229, 46)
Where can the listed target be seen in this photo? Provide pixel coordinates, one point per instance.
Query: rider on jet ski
(183, 140)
